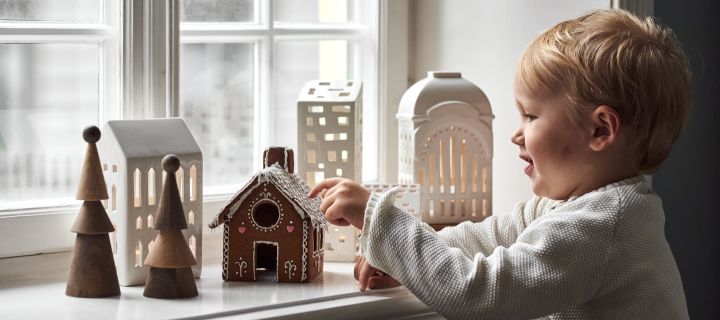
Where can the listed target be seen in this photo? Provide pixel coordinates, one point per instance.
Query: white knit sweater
(602, 255)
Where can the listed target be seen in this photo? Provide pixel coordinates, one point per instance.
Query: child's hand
(370, 278)
(343, 201)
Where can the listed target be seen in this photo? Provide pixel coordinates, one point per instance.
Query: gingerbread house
(271, 227)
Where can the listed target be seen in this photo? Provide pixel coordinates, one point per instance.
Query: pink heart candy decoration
(242, 229)
(290, 228)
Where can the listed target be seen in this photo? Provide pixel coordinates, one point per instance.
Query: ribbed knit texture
(602, 255)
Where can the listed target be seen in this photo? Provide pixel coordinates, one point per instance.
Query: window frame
(147, 84)
(45, 217)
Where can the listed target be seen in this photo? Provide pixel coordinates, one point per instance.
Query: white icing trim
(226, 251)
(305, 252)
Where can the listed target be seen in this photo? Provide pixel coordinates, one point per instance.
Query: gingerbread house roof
(292, 187)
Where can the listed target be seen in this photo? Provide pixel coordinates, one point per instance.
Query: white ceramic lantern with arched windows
(131, 152)
(446, 146)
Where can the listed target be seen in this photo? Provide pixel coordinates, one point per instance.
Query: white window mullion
(267, 106)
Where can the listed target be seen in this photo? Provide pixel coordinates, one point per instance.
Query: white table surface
(333, 294)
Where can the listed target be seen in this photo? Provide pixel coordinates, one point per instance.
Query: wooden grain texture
(170, 213)
(92, 219)
(92, 182)
(170, 283)
(170, 250)
(92, 270)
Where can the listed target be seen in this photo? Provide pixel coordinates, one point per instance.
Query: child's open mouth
(530, 165)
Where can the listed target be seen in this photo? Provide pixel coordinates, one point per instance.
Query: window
(243, 64)
(58, 73)
(232, 69)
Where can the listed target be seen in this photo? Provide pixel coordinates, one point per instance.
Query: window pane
(51, 10)
(313, 11)
(48, 94)
(217, 11)
(296, 63)
(216, 100)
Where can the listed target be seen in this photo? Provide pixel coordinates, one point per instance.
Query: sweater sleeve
(543, 271)
(494, 231)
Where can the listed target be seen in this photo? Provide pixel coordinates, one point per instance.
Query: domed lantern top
(437, 88)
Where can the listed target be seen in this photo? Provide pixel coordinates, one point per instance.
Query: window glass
(51, 10)
(48, 94)
(216, 100)
(217, 11)
(296, 63)
(313, 11)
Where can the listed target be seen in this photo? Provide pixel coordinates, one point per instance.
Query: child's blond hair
(611, 57)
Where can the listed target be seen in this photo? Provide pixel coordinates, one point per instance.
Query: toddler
(602, 99)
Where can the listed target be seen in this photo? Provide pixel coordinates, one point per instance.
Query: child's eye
(529, 117)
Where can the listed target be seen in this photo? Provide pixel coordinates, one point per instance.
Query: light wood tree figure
(170, 257)
(92, 270)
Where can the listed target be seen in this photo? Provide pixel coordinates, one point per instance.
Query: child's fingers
(328, 201)
(381, 282)
(325, 184)
(360, 261)
(366, 270)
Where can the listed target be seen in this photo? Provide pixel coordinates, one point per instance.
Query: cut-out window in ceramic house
(192, 245)
(445, 145)
(137, 182)
(150, 221)
(180, 177)
(138, 255)
(138, 223)
(191, 217)
(113, 197)
(114, 241)
(193, 183)
(151, 187)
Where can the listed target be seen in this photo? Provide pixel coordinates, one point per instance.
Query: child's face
(554, 148)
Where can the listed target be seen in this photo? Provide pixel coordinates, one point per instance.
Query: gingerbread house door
(266, 261)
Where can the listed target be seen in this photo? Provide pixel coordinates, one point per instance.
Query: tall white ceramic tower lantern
(330, 145)
(330, 130)
(446, 146)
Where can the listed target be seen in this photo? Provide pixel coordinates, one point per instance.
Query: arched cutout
(138, 255)
(151, 187)
(180, 177)
(138, 223)
(113, 198)
(191, 217)
(193, 183)
(192, 244)
(151, 221)
(137, 196)
(114, 239)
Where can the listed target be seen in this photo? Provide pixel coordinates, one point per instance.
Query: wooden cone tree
(92, 271)
(170, 258)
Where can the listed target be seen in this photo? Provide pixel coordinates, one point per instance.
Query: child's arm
(542, 272)
(496, 230)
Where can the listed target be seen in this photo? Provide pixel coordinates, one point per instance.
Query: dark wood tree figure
(92, 271)
(170, 258)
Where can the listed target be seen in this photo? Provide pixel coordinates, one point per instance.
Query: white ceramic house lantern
(131, 152)
(445, 139)
(329, 145)
(330, 131)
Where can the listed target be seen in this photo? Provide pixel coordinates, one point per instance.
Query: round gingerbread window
(266, 214)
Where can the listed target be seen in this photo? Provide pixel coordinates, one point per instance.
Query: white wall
(483, 39)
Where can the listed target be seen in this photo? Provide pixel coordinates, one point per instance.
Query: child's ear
(606, 127)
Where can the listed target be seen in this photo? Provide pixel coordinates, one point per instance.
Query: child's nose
(518, 138)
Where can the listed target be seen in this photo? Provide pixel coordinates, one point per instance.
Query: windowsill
(333, 294)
